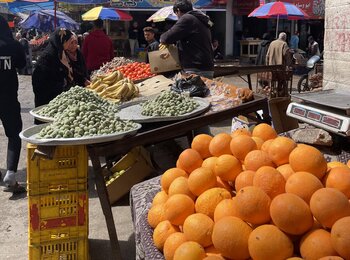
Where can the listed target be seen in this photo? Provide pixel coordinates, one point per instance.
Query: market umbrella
(165, 13)
(105, 13)
(44, 20)
(279, 10)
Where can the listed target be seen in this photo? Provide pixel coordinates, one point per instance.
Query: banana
(101, 87)
(120, 92)
(94, 84)
(115, 86)
(111, 76)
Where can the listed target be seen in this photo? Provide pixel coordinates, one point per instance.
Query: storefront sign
(244, 7)
(314, 8)
(152, 4)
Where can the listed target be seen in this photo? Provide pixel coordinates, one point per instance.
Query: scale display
(321, 118)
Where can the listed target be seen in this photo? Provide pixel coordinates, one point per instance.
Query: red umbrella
(279, 10)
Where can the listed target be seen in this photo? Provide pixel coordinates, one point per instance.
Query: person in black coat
(262, 49)
(192, 35)
(60, 67)
(12, 57)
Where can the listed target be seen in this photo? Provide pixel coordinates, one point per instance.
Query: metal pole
(55, 10)
(278, 18)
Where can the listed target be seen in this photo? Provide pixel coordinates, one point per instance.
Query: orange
(256, 159)
(209, 162)
(223, 184)
(316, 244)
(291, 214)
(269, 180)
(156, 215)
(259, 142)
(253, 205)
(177, 208)
(244, 179)
(264, 131)
(268, 242)
(227, 167)
(339, 178)
(294, 258)
(230, 237)
(213, 257)
(332, 257)
(265, 146)
(189, 250)
(348, 163)
(199, 228)
(334, 164)
(285, 170)
(328, 205)
(303, 184)
(280, 149)
(340, 237)
(170, 175)
(180, 186)
(208, 200)
(241, 145)
(161, 197)
(161, 233)
(200, 143)
(241, 131)
(189, 160)
(305, 158)
(172, 243)
(200, 180)
(225, 208)
(220, 144)
(212, 251)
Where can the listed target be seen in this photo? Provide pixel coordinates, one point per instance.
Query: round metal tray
(30, 135)
(34, 112)
(133, 113)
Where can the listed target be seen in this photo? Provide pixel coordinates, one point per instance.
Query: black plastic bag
(193, 85)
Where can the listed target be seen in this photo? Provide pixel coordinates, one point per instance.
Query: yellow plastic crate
(58, 210)
(59, 248)
(70, 161)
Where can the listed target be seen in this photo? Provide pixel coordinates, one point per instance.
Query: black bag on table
(193, 84)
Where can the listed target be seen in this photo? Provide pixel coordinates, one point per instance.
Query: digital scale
(328, 110)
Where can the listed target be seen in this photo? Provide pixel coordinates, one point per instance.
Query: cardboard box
(164, 60)
(280, 121)
(137, 165)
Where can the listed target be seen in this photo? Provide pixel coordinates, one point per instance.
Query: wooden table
(158, 132)
(226, 69)
(249, 48)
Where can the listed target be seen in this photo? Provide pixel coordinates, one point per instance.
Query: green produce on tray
(85, 119)
(71, 97)
(169, 103)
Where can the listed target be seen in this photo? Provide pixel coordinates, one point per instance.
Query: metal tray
(133, 113)
(30, 135)
(335, 98)
(34, 112)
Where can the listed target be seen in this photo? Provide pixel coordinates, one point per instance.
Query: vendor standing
(60, 67)
(153, 44)
(12, 57)
(192, 35)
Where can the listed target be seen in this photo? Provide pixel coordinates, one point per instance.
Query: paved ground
(13, 209)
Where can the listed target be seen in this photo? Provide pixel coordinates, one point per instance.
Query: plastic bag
(193, 85)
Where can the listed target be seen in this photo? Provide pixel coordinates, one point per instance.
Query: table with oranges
(263, 196)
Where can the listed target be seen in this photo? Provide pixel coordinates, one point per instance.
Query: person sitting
(153, 44)
(313, 48)
(217, 53)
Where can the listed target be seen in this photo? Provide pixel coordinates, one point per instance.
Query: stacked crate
(58, 204)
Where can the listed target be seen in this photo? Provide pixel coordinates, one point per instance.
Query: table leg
(106, 207)
(249, 81)
(266, 113)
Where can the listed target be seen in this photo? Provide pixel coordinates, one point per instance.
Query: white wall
(337, 45)
(229, 29)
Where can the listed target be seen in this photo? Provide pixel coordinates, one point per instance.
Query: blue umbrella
(44, 20)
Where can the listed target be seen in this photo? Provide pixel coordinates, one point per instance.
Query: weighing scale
(328, 110)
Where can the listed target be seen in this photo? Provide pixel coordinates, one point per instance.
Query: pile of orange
(252, 195)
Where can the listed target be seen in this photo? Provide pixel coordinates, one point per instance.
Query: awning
(23, 7)
(314, 8)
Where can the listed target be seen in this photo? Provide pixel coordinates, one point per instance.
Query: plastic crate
(59, 248)
(70, 161)
(59, 210)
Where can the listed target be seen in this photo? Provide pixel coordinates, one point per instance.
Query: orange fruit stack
(252, 195)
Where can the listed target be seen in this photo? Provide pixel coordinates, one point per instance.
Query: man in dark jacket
(97, 47)
(262, 49)
(153, 44)
(12, 57)
(192, 35)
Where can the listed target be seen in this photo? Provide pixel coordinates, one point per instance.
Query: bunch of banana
(123, 90)
(108, 80)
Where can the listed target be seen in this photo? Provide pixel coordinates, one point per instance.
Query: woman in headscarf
(12, 57)
(60, 67)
